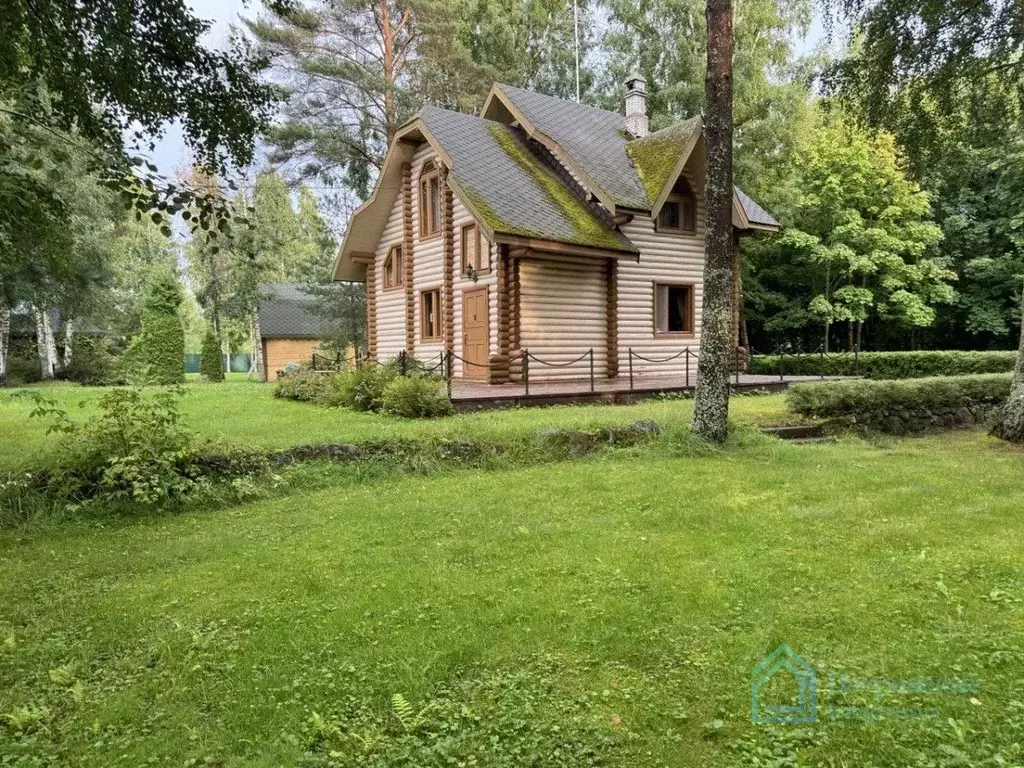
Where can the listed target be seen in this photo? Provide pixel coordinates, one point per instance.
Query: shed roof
(288, 311)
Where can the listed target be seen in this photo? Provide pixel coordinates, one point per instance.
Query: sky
(171, 153)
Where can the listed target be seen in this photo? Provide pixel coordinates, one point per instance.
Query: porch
(468, 395)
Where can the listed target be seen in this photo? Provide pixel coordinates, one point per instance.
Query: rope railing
(527, 356)
(685, 353)
(820, 352)
(322, 363)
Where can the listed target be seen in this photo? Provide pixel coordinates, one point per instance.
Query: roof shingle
(288, 311)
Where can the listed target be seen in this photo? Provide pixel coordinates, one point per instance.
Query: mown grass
(606, 611)
(248, 413)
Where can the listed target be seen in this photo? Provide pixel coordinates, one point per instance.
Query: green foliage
(211, 363)
(829, 399)
(858, 241)
(363, 389)
(163, 335)
(416, 397)
(91, 361)
(886, 365)
(307, 386)
(136, 451)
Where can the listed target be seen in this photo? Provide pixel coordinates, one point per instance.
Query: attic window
(394, 269)
(476, 251)
(430, 200)
(679, 213)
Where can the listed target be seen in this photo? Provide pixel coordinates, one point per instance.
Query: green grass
(611, 607)
(248, 413)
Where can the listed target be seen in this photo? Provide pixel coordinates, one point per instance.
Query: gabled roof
(757, 216)
(288, 311)
(510, 189)
(595, 139)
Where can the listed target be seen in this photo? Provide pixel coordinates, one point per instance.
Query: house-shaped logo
(783, 661)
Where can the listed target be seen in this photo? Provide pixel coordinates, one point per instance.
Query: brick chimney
(636, 104)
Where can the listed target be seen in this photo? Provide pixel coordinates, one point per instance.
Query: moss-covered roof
(655, 156)
(511, 189)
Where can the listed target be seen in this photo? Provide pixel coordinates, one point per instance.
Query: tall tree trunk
(711, 407)
(1011, 422)
(5, 336)
(390, 116)
(258, 365)
(69, 343)
(828, 328)
(45, 345)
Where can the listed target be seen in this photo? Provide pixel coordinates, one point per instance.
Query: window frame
(429, 202)
(482, 255)
(691, 313)
(436, 293)
(682, 200)
(399, 282)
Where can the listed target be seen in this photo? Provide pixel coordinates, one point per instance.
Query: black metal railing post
(630, 369)
(526, 369)
(591, 369)
(736, 365)
(687, 357)
(446, 356)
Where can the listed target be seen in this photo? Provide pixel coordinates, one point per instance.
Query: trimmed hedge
(887, 365)
(902, 406)
(211, 361)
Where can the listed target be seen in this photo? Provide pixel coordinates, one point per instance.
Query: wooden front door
(476, 333)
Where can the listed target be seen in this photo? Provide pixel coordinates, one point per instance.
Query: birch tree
(711, 407)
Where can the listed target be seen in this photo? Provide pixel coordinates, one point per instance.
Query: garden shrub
(91, 361)
(306, 386)
(136, 450)
(163, 334)
(363, 389)
(211, 360)
(875, 400)
(886, 365)
(416, 397)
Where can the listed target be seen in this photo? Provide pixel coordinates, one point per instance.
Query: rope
(558, 365)
(638, 356)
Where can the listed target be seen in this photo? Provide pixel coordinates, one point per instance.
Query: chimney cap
(636, 81)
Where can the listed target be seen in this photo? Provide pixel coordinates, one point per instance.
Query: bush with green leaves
(211, 361)
(91, 361)
(867, 400)
(416, 397)
(163, 334)
(363, 389)
(886, 365)
(136, 450)
(307, 386)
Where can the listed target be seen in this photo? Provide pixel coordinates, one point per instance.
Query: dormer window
(679, 213)
(394, 269)
(430, 200)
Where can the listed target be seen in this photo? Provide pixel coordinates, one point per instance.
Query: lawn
(606, 611)
(249, 413)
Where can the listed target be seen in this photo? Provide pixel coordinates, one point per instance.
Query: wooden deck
(474, 395)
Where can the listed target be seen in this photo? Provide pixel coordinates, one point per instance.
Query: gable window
(394, 269)
(430, 200)
(673, 309)
(476, 250)
(679, 213)
(430, 315)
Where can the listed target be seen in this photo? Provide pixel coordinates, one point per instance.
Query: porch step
(798, 432)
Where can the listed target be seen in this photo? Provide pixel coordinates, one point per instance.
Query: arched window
(430, 200)
(679, 213)
(394, 269)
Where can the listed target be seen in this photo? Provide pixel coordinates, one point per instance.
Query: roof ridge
(571, 103)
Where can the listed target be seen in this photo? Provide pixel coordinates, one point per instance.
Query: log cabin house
(541, 225)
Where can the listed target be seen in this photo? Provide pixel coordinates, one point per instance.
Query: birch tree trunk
(69, 342)
(258, 365)
(45, 345)
(5, 336)
(711, 406)
(1011, 423)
